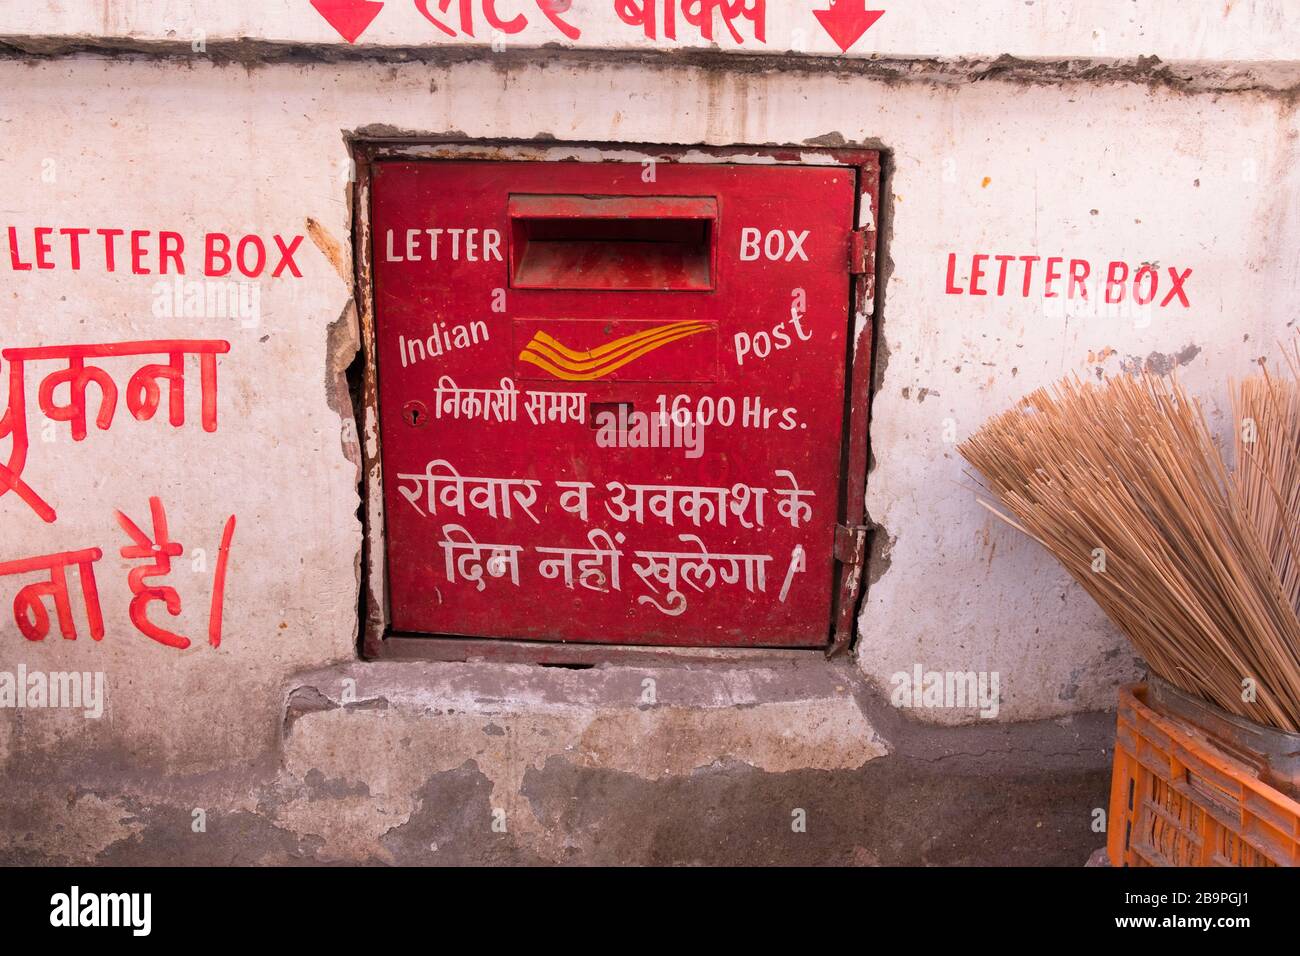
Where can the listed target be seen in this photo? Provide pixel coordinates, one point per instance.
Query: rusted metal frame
(377, 642)
(851, 537)
(403, 147)
(374, 591)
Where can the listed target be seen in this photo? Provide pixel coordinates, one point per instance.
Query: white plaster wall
(1255, 30)
(990, 167)
(1206, 183)
(151, 148)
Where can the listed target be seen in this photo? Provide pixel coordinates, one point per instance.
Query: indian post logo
(551, 355)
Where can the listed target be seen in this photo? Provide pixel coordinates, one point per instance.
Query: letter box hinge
(850, 543)
(862, 251)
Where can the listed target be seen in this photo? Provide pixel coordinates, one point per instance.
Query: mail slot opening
(638, 243)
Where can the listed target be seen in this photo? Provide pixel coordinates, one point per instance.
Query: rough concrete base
(687, 764)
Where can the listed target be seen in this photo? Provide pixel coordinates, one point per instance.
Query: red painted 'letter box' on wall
(612, 404)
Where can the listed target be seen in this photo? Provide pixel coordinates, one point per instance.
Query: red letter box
(612, 404)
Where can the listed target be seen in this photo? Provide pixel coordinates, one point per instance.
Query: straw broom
(1123, 483)
(1267, 450)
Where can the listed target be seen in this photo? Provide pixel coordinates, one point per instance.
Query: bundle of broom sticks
(1198, 563)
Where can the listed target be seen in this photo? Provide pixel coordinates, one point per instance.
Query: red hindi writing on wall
(845, 21)
(457, 18)
(157, 546)
(29, 605)
(698, 13)
(143, 395)
(464, 16)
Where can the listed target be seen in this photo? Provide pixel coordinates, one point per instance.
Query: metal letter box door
(553, 341)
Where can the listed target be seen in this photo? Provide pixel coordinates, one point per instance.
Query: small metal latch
(850, 543)
(861, 251)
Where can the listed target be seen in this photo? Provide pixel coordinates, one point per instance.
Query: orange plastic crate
(1178, 800)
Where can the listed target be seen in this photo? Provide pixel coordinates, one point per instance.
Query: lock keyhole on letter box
(612, 242)
(416, 414)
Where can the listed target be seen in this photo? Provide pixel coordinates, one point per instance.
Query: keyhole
(415, 413)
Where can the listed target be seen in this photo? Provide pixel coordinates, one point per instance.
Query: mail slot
(612, 242)
(611, 406)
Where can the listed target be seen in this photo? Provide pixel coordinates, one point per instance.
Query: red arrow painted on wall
(847, 20)
(349, 17)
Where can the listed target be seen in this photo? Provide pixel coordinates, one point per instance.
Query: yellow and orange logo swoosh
(552, 356)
